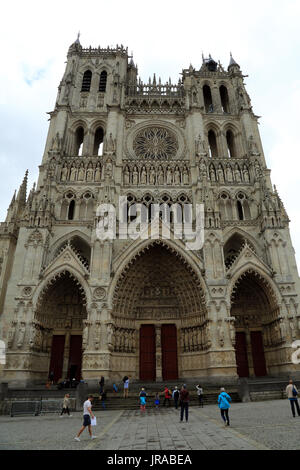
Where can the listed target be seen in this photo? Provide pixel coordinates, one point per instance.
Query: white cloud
(165, 37)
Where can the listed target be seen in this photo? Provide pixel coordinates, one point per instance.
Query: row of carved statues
(229, 173)
(86, 171)
(121, 339)
(156, 175)
(195, 339)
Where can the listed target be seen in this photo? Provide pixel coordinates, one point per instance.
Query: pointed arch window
(208, 103)
(240, 210)
(212, 142)
(71, 210)
(79, 136)
(102, 81)
(224, 99)
(98, 141)
(86, 81)
(231, 148)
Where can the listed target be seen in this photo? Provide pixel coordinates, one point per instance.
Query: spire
(23, 190)
(232, 62)
(13, 199)
(77, 40)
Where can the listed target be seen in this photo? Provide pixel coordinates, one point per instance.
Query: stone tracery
(155, 143)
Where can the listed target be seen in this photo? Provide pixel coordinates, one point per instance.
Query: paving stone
(253, 426)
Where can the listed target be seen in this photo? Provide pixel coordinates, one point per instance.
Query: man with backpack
(292, 394)
(224, 405)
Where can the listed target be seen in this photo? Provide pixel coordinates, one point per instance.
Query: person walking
(103, 398)
(143, 400)
(184, 403)
(175, 396)
(292, 394)
(126, 386)
(101, 384)
(157, 401)
(87, 415)
(200, 395)
(51, 377)
(168, 396)
(224, 404)
(66, 405)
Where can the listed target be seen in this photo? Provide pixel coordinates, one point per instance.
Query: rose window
(155, 143)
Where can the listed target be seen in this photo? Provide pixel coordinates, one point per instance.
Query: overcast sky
(165, 37)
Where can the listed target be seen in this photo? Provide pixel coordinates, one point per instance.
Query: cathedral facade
(78, 305)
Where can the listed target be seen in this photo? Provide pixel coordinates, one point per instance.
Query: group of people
(180, 397)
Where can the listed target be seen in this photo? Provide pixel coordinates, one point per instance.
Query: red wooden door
(147, 352)
(57, 356)
(169, 352)
(75, 357)
(258, 354)
(241, 355)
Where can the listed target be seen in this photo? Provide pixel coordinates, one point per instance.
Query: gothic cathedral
(77, 305)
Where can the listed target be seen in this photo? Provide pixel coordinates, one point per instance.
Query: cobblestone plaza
(254, 426)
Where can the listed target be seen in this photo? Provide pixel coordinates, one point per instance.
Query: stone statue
(98, 173)
(246, 175)
(252, 146)
(185, 176)
(200, 147)
(108, 169)
(135, 176)
(160, 176)
(152, 176)
(81, 172)
(126, 176)
(90, 173)
(177, 176)
(73, 173)
(143, 176)
(229, 175)
(212, 174)
(220, 174)
(64, 173)
(169, 176)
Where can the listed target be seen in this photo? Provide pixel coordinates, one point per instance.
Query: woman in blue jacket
(224, 405)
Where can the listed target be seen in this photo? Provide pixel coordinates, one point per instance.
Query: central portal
(149, 347)
(158, 303)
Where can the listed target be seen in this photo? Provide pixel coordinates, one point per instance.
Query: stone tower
(78, 305)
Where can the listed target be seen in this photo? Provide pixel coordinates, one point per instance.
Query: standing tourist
(101, 384)
(168, 396)
(184, 403)
(292, 394)
(51, 377)
(143, 400)
(126, 386)
(87, 415)
(66, 405)
(200, 394)
(175, 396)
(224, 405)
(103, 398)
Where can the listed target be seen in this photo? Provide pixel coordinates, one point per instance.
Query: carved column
(158, 353)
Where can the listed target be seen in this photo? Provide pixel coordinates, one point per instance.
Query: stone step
(133, 401)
